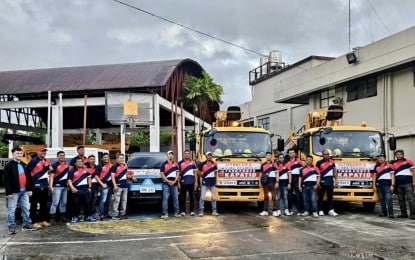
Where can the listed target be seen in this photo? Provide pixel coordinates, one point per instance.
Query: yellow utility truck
(353, 148)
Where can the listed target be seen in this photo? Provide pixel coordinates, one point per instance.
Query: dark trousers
(329, 190)
(39, 196)
(93, 200)
(270, 187)
(187, 188)
(80, 200)
(294, 192)
(406, 193)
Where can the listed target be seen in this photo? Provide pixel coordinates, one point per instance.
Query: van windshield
(146, 162)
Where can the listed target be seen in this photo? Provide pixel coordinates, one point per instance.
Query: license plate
(227, 182)
(344, 183)
(147, 190)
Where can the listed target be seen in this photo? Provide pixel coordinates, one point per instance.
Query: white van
(70, 152)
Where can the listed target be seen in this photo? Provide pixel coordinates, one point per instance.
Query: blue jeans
(309, 197)
(282, 193)
(102, 201)
(59, 197)
(11, 204)
(174, 192)
(202, 198)
(385, 199)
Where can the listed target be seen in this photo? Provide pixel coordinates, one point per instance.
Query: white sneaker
(287, 212)
(299, 214)
(315, 214)
(321, 213)
(264, 213)
(183, 214)
(276, 213)
(333, 213)
(305, 214)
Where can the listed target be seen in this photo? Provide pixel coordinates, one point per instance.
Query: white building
(378, 87)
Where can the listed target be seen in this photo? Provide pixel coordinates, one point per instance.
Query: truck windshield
(350, 144)
(238, 144)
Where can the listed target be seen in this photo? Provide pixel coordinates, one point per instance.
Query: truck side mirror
(192, 144)
(322, 141)
(301, 143)
(392, 143)
(280, 144)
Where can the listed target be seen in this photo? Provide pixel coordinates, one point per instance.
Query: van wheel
(369, 206)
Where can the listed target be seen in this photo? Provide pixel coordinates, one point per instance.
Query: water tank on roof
(275, 59)
(263, 61)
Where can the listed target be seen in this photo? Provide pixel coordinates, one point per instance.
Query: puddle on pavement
(144, 226)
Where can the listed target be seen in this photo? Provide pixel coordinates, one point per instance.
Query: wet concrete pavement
(238, 233)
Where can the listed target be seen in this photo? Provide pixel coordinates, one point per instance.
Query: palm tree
(199, 92)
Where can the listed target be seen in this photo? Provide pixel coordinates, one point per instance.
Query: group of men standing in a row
(286, 178)
(184, 175)
(31, 184)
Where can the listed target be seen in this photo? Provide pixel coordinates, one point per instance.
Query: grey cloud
(47, 33)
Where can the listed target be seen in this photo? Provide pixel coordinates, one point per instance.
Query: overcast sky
(52, 33)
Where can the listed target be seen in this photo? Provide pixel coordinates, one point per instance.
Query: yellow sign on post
(130, 108)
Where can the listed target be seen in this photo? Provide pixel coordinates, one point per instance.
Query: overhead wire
(380, 19)
(191, 29)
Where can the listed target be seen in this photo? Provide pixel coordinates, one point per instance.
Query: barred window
(326, 97)
(362, 88)
(264, 123)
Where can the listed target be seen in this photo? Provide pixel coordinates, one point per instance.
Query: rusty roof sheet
(86, 78)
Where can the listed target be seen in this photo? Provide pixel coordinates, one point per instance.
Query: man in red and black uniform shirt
(58, 186)
(119, 180)
(405, 182)
(328, 177)
(187, 182)
(208, 170)
(105, 186)
(91, 168)
(81, 154)
(79, 182)
(308, 183)
(383, 183)
(39, 168)
(271, 185)
(284, 184)
(294, 165)
(169, 172)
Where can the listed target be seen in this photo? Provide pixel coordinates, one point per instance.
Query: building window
(326, 97)
(362, 88)
(249, 124)
(264, 123)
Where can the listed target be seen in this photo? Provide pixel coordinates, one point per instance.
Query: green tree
(198, 92)
(139, 138)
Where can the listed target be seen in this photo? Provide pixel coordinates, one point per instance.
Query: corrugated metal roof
(86, 78)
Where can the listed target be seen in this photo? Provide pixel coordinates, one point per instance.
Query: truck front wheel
(369, 206)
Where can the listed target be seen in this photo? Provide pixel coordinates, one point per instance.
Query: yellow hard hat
(218, 152)
(247, 150)
(329, 151)
(227, 152)
(337, 152)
